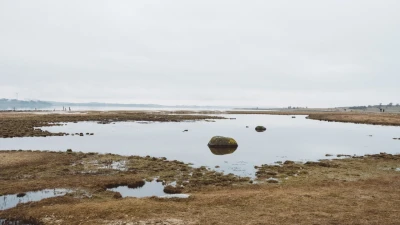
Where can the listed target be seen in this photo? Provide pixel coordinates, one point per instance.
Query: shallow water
(152, 188)
(286, 138)
(17, 222)
(10, 201)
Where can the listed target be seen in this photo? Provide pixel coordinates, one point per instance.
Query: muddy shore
(354, 190)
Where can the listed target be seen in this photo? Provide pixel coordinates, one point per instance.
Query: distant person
(69, 109)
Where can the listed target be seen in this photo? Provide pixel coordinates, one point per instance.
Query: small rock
(117, 195)
(287, 162)
(271, 173)
(172, 190)
(272, 181)
(260, 128)
(20, 195)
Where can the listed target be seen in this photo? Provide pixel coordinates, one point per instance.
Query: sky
(260, 53)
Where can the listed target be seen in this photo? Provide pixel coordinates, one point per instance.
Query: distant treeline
(375, 106)
(9, 104)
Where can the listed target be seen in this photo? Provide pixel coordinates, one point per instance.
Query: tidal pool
(18, 222)
(10, 201)
(149, 189)
(286, 138)
(152, 188)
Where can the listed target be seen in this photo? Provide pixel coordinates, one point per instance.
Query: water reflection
(223, 151)
(149, 189)
(10, 201)
(288, 139)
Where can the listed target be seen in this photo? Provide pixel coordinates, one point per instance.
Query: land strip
(28, 124)
(386, 119)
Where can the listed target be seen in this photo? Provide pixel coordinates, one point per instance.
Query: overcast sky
(209, 52)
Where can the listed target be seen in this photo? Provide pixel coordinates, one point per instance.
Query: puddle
(18, 222)
(11, 201)
(115, 165)
(150, 189)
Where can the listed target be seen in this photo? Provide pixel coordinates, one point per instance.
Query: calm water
(10, 201)
(152, 188)
(296, 139)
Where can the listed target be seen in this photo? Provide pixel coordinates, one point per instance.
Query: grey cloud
(262, 53)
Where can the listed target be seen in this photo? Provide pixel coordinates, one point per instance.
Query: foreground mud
(359, 190)
(28, 124)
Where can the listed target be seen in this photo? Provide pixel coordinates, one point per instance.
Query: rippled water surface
(285, 138)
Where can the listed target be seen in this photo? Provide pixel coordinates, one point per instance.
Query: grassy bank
(359, 190)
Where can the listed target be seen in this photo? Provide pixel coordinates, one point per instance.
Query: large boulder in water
(222, 142)
(222, 145)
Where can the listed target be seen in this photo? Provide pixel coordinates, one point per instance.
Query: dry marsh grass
(361, 190)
